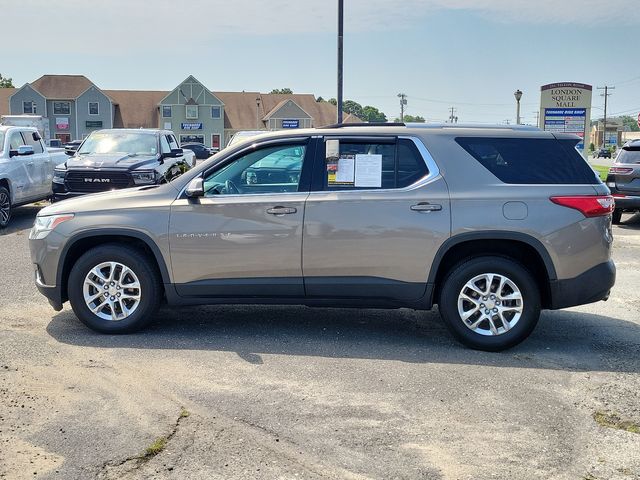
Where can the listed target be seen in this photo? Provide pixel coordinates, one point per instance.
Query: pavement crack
(134, 462)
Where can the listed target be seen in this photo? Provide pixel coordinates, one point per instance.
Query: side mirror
(177, 152)
(69, 152)
(25, 150)
(195, 188)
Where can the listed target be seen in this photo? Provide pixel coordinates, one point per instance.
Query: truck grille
(96, 181)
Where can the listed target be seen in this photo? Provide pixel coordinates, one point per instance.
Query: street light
(258, 113)
(518, 95)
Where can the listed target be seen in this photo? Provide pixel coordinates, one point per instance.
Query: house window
(94, 108)
(61, 108)
(166, 111)
(29, 107)
(191, 111)
(215, 112)
(191, 139)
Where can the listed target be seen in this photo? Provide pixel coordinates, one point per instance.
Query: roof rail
(472, 125)
(364, 124)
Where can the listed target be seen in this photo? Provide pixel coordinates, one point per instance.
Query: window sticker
(341, 171)
(368, 170)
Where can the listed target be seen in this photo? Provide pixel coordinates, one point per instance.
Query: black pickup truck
(121, 158)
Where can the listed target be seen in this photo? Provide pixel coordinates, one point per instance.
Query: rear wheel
(616, 217)
(114, 289)
(5, 207)
(490, 303)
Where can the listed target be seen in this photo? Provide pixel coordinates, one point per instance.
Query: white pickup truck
(26, 168)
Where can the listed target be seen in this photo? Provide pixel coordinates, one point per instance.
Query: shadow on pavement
(563, 340)
(630, 223)
(22, 218)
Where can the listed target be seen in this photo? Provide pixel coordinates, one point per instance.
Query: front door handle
(426, 207)
(281, 210)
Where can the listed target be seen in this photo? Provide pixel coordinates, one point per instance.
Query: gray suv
(624, 180)
(492, 224)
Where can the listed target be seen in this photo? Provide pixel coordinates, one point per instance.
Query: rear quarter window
(530, 160)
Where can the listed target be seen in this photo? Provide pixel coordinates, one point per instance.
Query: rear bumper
(627, 202)
(591, 286)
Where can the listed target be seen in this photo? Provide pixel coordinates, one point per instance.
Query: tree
(629, 121)
(411, 119)
(333, 101)
(320, 99)
(354, 108)
(5, 82)
(283, 91)
(372, 114)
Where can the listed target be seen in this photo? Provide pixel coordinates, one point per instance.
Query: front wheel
(114, 289)
(490, 303)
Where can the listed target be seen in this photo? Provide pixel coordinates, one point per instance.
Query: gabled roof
(136, 108)
(284, 102)
(5, 94)
(62, 87)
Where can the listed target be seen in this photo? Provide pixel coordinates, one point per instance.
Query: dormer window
(29, 107)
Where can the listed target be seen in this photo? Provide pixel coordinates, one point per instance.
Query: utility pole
(452, 117)
(606, 93)
(403, 102)
(537, 112)
(340, 56)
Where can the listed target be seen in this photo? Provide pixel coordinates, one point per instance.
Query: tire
(5, 207)
(616, 217)
(127, 308)
(520, 316)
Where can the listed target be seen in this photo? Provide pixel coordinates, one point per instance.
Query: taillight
(589, 206)
(621, 170)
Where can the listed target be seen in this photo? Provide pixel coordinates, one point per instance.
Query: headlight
(144, 177)
(43, 225)
(58, 176)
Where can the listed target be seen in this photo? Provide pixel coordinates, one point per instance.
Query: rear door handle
(281, 210)
(426, 207)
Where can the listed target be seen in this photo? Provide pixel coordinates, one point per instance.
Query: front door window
(273, 169)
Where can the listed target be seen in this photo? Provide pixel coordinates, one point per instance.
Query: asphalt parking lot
(294, 392)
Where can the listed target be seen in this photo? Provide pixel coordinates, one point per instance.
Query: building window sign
(216, 112)
(61, 108)
(290, 123)
(94, 108)
(191, 126)
(166, 111)
(29, 107)
(191, 111)
(62, 123)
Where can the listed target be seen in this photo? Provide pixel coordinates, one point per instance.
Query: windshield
(1, 141)
(120, 142)
(629, 156)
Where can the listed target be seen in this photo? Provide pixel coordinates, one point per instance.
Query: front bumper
(627, 202)
(591, 286)
(52, 292)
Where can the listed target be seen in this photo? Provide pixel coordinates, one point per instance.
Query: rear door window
(29, 139)
(352, 164)
(530, 160)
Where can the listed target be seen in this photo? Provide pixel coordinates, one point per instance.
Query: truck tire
(616, 217)
(5, 207)
(490, 303)
(114, 288)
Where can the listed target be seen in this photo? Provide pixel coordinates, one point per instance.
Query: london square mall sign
(566, 107)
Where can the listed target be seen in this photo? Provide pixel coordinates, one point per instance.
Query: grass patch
(613, 420)
(602, 171)
(156, 447)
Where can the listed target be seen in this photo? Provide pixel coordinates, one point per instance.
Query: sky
(467, 54)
